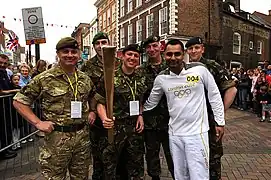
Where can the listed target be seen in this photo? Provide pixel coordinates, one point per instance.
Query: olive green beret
(151, 39)
(100, 35)
(193, 41)
(67, 42)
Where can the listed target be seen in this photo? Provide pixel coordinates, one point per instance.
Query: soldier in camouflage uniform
(129, 86)
(156, 121)
(98, 134)
(226, 86)
(64, 92)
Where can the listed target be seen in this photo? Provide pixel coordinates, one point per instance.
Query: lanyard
(75, 91)
(132, 91)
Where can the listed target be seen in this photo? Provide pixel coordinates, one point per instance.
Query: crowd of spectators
(254, 88)
(13, 127)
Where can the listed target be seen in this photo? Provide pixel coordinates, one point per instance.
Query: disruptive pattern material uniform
(125, 136)
(62, 150)
(156, 125)
(98, 134)
(223, 82)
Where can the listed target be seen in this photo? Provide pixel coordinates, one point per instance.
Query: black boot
(155, 178)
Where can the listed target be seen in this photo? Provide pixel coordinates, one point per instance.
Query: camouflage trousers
(64, 151)
(125, 138)
(99, 141)
(216, 153)
(153, 141)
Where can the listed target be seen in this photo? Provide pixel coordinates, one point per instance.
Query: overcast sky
(71, 13)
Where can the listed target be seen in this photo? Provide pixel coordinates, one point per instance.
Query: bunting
(47, 24)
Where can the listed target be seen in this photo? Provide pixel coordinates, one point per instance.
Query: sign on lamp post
(33, 26)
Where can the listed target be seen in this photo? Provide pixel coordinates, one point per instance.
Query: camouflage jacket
(122, 92)
(222, 80)
(220, 75)
(94, 69)
(56, 94)
(158, 117)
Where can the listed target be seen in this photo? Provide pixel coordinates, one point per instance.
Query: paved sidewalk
(247, 152)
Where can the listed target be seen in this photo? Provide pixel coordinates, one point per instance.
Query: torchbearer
(129, 87)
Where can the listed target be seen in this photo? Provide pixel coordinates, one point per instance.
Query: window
(138, 3)
(104, 19)
(114, 39)
(130, 34)
(122, 8)
(259, 47)
(130, 5)
(250, 45)
(113, 13)
(163, 21)
(100, 22)
(108, 17)
(139, 30)
(122, 39)
(236, 43)
(149, 20)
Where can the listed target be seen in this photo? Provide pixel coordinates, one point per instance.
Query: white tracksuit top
(186, 100)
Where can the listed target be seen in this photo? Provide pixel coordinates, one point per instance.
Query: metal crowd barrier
(18, 135)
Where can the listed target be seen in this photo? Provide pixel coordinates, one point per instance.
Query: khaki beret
(67, 42)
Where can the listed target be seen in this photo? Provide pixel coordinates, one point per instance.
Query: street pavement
(247, 153)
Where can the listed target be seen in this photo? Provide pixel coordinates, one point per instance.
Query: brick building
(182, 18)
(213, 20)
(266, 17)
(245, 37)
(79, 33)
(107, 18)
(2, 36)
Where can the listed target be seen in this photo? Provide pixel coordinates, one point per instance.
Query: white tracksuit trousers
(190, 156)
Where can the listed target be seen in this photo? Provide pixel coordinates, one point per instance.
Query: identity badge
(76, 109)
(134, 108)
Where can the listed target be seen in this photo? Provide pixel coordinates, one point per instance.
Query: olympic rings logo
(182, 93)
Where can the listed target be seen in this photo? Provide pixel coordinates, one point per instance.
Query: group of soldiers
(75, 119)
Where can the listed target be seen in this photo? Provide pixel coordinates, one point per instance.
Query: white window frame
(138, 3)
(101, 22)
(163, 21)
(129, 5)
(250, 45)
(122, 37)
(113, 13)
(259, 47)
(109, 16)
(236, 43)
(122, 9)
(139, 30)
(149, 25)
(130, 34)
(104, 20)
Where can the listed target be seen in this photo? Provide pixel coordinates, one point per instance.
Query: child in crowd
(257, 95)
(17, 119)
(265, 100)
